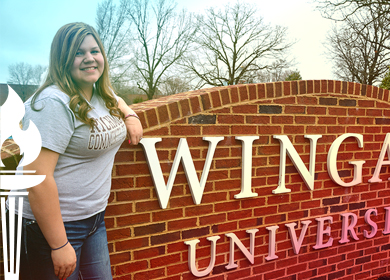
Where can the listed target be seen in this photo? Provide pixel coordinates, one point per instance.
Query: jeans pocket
(34, 237)
(32, 228)
(37, 259)
(29, 222)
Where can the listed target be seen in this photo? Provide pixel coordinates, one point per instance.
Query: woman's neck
(87, 93)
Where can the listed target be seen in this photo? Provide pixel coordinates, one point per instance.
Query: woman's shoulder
(53, 92)
(49, 94)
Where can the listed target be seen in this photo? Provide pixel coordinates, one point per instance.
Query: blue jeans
(89, 240)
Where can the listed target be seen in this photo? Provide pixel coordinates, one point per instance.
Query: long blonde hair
(65, 44)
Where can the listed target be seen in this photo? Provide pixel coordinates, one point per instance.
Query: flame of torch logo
(29, 142)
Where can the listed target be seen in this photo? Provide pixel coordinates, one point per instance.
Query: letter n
(287, 148)
(234, 240)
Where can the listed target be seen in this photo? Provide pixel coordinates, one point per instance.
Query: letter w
(183, 155)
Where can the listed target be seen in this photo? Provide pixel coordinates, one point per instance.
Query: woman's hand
(133, 124)
(64, 261)
(134, 130)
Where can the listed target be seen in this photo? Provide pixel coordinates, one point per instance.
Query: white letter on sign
(183, 155)
(332, 161)
(192, 256)
(321, 232)
(287, 148)
(234, 240)
(296, 244)
(348, 227)
(246, 173)
(374, 226)
(386, 147)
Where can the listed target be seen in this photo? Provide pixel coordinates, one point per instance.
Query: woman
(82, 124)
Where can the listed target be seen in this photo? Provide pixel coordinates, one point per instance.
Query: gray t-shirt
(83, 170)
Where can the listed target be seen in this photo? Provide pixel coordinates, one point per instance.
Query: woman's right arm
(45, 205)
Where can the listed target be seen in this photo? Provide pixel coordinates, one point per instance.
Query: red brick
(295, 110)
(274, 274)
(261, 91)
(245, 109)
(185, 130)
(244, 130)
(337, 111)
(131, 244)
(132, 219)
(294, 129)
(240, 274)
(117, 234)
(150, 274)
(167, 214)
(163, 115)
(282, 119)
(117, 258)
(216, 99)
(270, 90)
(132, 195)
(212, 219)
(270, 266)
(287, 100)
(164, 238)
(131, 267)
(151, 117)
(119, 209)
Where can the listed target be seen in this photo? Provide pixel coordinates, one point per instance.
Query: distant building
(24, 91)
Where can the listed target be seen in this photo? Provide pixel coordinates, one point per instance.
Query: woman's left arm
(133, 124)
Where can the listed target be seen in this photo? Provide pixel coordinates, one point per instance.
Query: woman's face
(88, 64)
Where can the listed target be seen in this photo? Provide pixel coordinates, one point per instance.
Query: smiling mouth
(88, 68)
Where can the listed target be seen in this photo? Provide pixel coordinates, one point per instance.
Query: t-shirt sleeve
(55, 122)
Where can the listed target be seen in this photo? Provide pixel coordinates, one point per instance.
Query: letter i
(387, 221)
(272, 243)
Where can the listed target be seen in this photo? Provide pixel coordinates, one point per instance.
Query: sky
(27, 28)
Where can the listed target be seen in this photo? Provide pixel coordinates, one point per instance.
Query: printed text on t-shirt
(105, 133)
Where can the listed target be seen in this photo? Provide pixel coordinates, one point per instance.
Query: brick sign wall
(331, 231)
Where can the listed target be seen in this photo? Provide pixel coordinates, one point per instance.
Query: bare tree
(130, 93)
(233, 43)
(20, 73)
(37, 72)
(173, 85)
(278, 70)
(342, 10)
(161, 39)
(357, 47)
(26, 77)
(114, 31)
